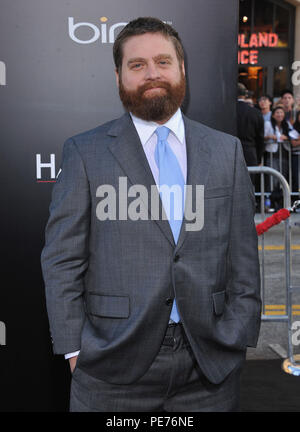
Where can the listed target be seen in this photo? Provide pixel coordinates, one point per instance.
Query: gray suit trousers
(173, 383)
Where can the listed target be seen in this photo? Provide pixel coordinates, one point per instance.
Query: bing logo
(104, 32)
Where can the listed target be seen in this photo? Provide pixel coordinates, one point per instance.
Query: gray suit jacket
(109, 283)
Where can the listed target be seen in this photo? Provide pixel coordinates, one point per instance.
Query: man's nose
(152, 71)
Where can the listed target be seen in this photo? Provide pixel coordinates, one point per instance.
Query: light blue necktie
(170, 174)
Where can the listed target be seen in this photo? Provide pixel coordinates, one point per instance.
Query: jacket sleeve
(244, 281)
(65, 254)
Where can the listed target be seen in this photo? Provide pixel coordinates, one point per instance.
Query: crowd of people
(269, 131)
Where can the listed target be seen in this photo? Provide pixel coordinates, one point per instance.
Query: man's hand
(72, 362)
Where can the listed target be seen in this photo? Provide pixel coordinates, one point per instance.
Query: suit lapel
(198, 162)
(128, 151)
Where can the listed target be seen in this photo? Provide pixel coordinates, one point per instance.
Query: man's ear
(117, 77)
(183, 68)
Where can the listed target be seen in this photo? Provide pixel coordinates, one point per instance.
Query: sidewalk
(275, 297)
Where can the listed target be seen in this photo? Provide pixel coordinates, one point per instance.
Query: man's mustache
(153, 84)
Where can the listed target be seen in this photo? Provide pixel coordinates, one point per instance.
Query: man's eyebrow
(141, 59)
(163, 56)
(135, 60)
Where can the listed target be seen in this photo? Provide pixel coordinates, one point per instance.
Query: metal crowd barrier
(288, 288)
(284, 165)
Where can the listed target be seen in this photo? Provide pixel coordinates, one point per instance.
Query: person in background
(287, 101)
(250, 129)
(265, 105)
(249, 98)
(250, 102)
(297, 103)
(295, 141)
(277, 134)
(296, 126)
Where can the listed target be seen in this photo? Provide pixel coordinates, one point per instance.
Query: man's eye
(136, 65)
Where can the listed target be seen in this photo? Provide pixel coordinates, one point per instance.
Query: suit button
(169, 301)
(176, 258)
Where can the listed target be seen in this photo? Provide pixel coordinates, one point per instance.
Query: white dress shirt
(148, 137)
(176, 140)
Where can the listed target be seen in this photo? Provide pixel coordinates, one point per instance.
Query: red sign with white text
(248, 55)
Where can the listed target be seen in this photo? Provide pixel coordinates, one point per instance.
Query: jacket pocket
(219, 302)
(108, 306)
(218, 192)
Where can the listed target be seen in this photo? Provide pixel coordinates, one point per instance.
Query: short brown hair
(141, 26)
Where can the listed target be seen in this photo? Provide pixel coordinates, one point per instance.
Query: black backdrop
(56, 79)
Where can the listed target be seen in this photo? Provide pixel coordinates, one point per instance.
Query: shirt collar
(146, 129)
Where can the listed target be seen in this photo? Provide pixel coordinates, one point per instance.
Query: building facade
(269, 46)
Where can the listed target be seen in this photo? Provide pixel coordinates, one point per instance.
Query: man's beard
(157, 107)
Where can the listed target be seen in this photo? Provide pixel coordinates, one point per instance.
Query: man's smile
(154, 90)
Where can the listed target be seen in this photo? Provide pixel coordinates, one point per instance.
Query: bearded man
(154, 313)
